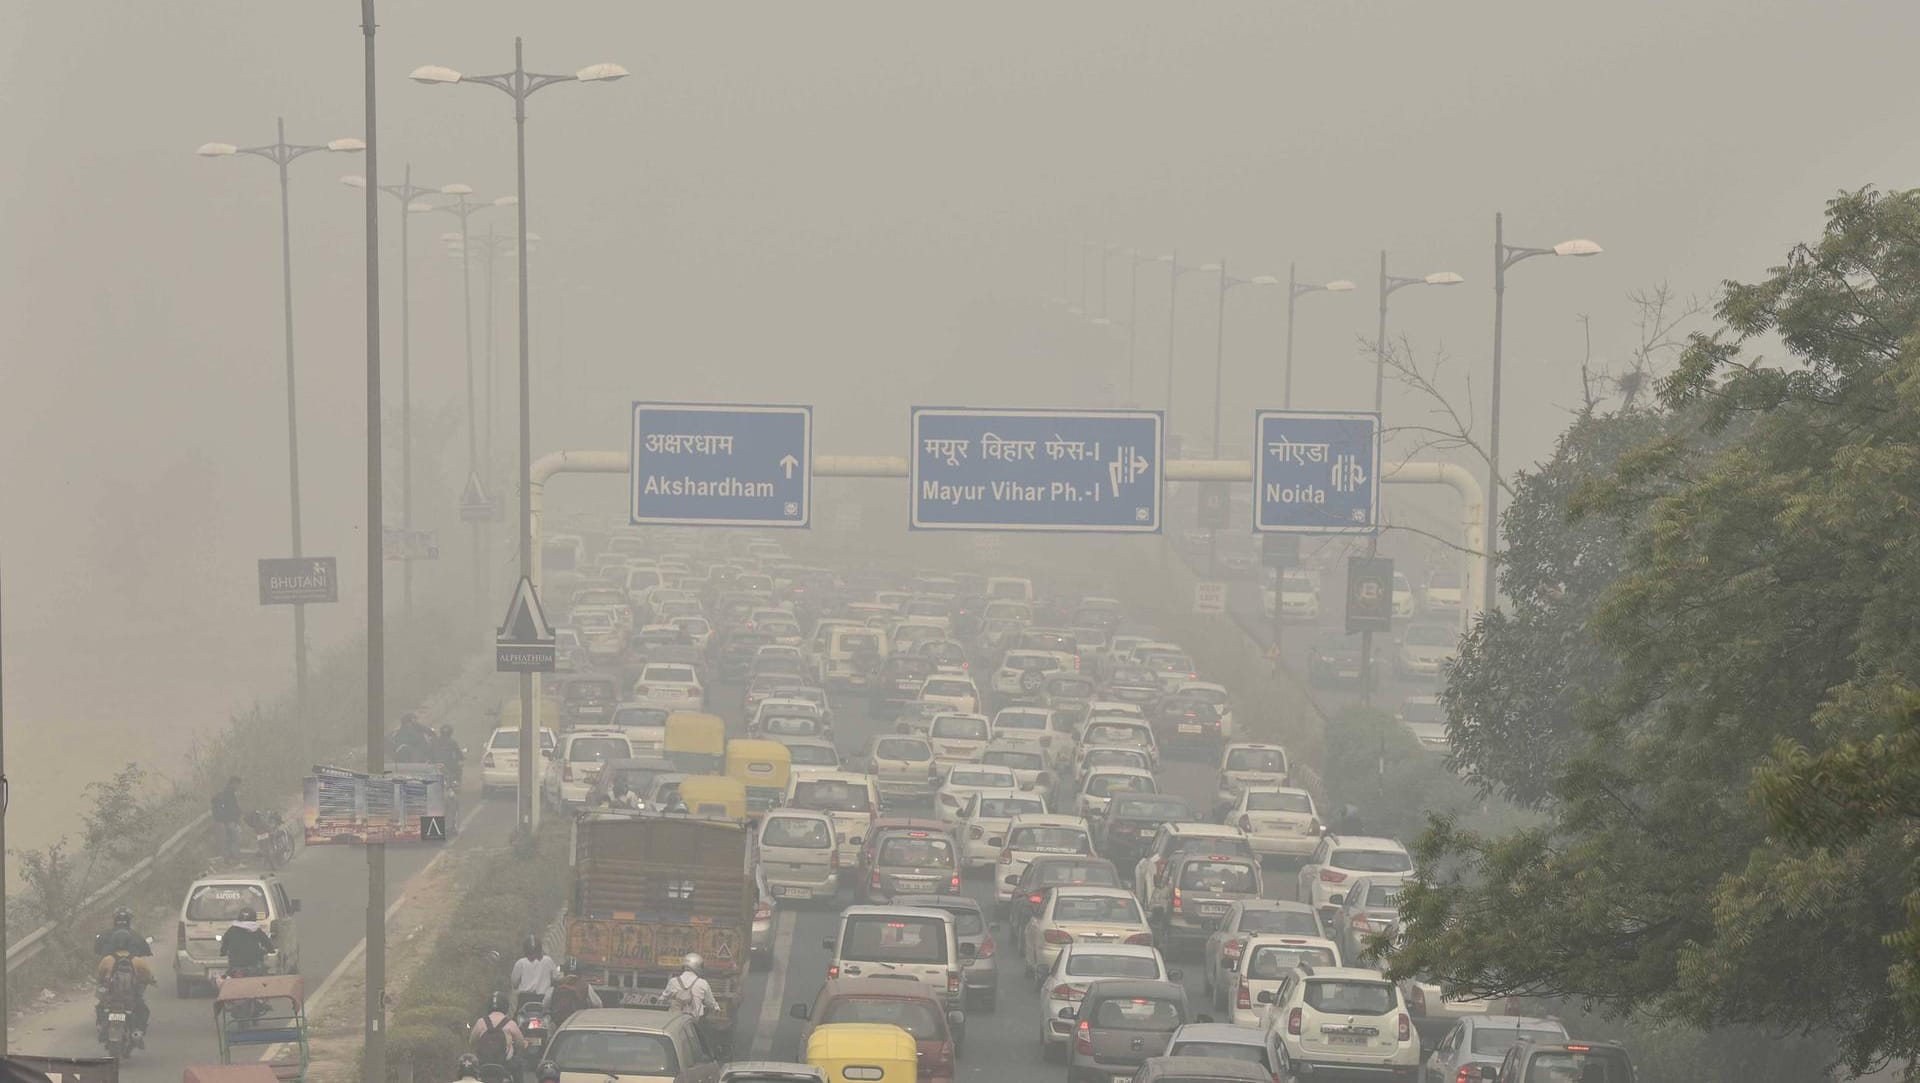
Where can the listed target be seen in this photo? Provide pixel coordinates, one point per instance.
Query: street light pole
(1505, 256)
(281, 153)
(408, 194)
(376, 955)
(1296, 288)
(519, 84)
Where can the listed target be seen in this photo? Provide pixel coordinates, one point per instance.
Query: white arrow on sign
(788, 463)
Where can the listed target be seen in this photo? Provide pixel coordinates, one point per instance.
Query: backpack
(491, 1046)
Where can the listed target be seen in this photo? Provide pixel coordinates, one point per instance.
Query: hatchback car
(212, 905)
(1122, 833)
(1249, 1045)
(937, 1033)
(1265, 961)
(798, 855)
(1334, 661)
(961, 781)
(979, 954)
(902, 766)
(649, 1043)
(1340, 858)
(1371, 905)
(1425, 649)
(953, 691)
(1203, 887)
(1082, 915)
(1077, 967)
(1029, 837)
(981, 822)
(1043, 875)
(1245, 920)
(1120, 1025)
(1194, 1069)
(1102, 784)
(958, 738)
(912, 858)
(576, 763)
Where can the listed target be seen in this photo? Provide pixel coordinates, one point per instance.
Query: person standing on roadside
(226, 818)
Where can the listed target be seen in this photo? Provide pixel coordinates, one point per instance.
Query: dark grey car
(981, 977)
(1123, 1024)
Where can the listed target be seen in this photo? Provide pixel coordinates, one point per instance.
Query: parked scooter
(270, 836)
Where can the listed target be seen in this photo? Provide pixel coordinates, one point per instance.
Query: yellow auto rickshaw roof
(853, 1041)
(746, 749)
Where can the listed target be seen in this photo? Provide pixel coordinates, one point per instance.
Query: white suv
(674, 686)
(1330, 1019)
(1340, 859)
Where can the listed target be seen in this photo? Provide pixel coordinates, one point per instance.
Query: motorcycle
(536, 1025)
(270, 836)
(118, 998)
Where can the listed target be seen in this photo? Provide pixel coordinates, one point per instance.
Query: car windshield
(944, 654)
(1338, 996)
(668, 674)
(1116, 757)
(1491, 1041)
(1115, 733)
(1111, 909)
(1016, 758)
(857, 643)
(223, 902)
(1281, 801)
(640, 716)
(883, 938)
(1212, 696)
(950, 687)
(832, 795)
(911, 749)
(1020, 720)
(975, 776)
(613, 1053)
(1250, 1054)
(1430, 635)
(598, 749)
(1103, 785)
(1073, 872)
(1257, 759)
(1137, 1013)
(814, 755)
(799, 831)
(1218, 877)
(909, 667)
(1070, 688)
(1006, 808)
(1272, 963)
(1294, 922)
(1094, 964)
(917, 1017)
(1383, 895)
(915, 850)
(789, 725)
(1371, 860)
(959, 729)
(1150, 808)
(1422, 710)
(1595, 1066)
(1049, 840)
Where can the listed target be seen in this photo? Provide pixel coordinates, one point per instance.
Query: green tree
(1705, 681)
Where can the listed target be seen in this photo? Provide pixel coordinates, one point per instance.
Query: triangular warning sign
(525, 622)
(474, 493)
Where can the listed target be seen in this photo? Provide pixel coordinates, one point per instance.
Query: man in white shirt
(688, 992)
(533, 974)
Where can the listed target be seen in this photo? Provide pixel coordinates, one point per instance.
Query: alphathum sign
(298, 580)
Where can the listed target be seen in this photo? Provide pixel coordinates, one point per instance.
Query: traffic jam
(1018, 823)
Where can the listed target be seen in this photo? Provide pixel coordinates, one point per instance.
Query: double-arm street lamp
(1227, 282)
(520, 84)
(281, 153)
(1172, 260)
(1295, 290)
(408, 193)
(1504, 256)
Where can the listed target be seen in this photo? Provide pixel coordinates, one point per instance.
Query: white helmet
(692, 961)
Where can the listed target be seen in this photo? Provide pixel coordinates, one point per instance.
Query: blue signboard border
(913, 470)
(806, 486)
(1260, 470)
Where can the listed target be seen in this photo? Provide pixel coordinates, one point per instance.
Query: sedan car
(1249, 1045)
(1078, 966)
(675, 687)
(1334, 660)
(1121, 1025)
(500, 763)
(1082, 915)
(958, 738)
(1243, 921)
(953, 691)
(1123, 832)
(1371, 905)
(962, 781)
(1297, 597)
(1279, 821)
(1425, 649)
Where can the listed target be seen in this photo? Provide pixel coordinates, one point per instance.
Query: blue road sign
(721, 464)
(1074, 470)
(1316, 472)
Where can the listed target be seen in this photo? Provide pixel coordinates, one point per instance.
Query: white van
(851, 800)
(838, 667)
(797, 854)
(211, 906)
(899, 942)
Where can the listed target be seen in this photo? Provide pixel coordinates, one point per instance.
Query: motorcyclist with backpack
(495, 1038)
(122, 936)
(445, 753)
(122, 979)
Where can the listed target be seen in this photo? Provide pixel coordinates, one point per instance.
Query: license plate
(1347, 1039)
(1188, 727)
(1123, 1079)
(794, 892)
(1214, 909)
(116, 1017)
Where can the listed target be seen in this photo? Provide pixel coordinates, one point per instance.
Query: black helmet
(549, 1072)
(532, 947)
(570, 967)
(248, 913)
(123, 918)
(469, 1066)
(446, 729)
(497, 1002)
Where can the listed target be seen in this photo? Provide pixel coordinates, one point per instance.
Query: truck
(649, 888)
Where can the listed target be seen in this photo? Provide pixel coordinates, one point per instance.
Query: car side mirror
(1011, 881)
(1265, 997)
(1336, 900)
(293, 907)
(800, 1011)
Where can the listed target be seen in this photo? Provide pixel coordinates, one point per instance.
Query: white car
(1297, 597)
(1028, 762)
(1022, 675)
(1215, 695)
(500, 761)
(1029, 837)
(577, 762)
(1403, 600)
(961, 782)
(1427, 721)
(783, 718)
(958, 738)
(813, 756)
(1265, 961)
(1118, 731)
(1338, 859)
(952, 691)
(1098, 787)
(1334, 1018)
(672, 685)
(1249, 763)
(982, 822)
(1425, 649)
(697, 632)
(1277, 820)
(1082, 915)
(1078, 966)
(1442, 593)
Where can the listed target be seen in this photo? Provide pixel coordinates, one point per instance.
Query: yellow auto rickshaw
(863, 1053)
(763, 768)
(697, 743)
(714, 796)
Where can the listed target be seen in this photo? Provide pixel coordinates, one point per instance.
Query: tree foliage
(1706, 680)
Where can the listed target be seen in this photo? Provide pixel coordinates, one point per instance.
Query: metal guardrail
(35, 942)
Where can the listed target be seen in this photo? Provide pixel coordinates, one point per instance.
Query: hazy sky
(855, 205)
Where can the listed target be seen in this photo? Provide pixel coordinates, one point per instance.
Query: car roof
(1119, 769)
(1366, 842)
(1275, 904)
(1092, 889)
(1251, 744)
(1347, 973)
(1220, 1032)
(940, 902)
(1267, 940)
(639, 1020)
(877, 989)
(1277, 789)
(1202, 829)
(1121, 988)
(1206, 1067)
(894, 911)
(1048, 819)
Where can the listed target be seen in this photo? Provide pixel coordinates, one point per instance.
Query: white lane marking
(359, 950)
(773, 1001)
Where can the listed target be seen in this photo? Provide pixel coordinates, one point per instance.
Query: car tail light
(954, 883)
(1244, 998)
(833, 860)
(1057, 936)
(875, 882)
(1329, 876)
(1176, 898)
(1403, 1028)
(1231, 953)
(953, 984)
(1141, 938)
(1293, 1022)
(487, 760)
(1068, 992)
(833, 971)
(1468, 1073)
(763, 911)
(1360, 924)
(1083, 1038)
(1035, 899)
(986, 948)
(1246, 823)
